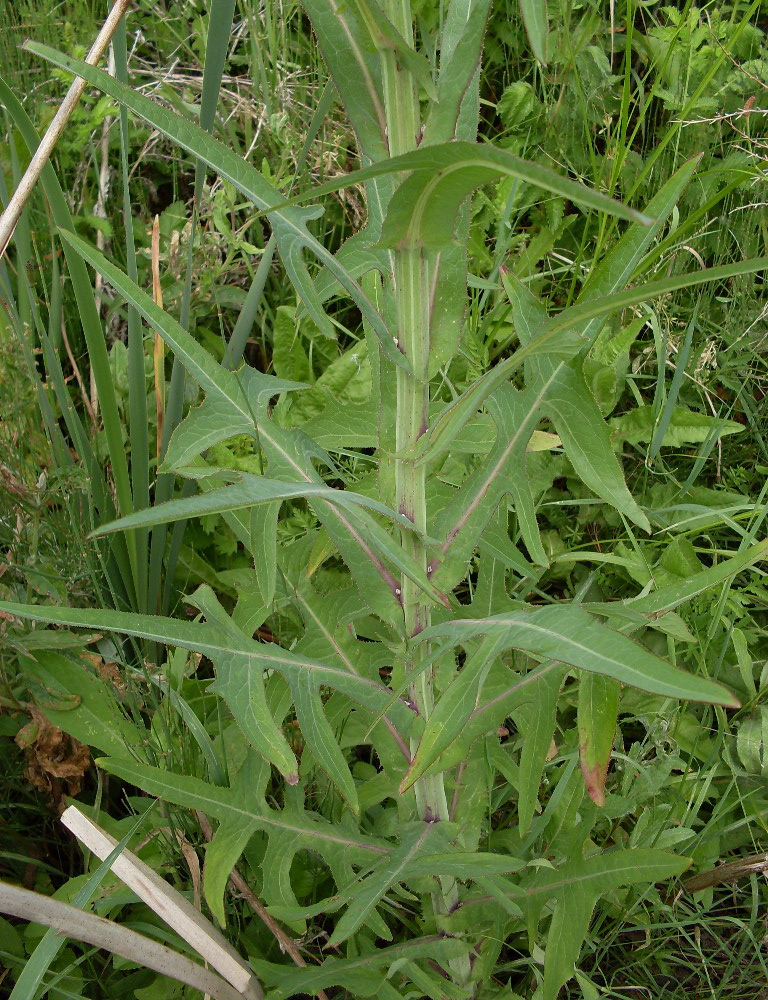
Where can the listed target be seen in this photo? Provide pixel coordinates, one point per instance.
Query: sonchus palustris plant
(370, 737)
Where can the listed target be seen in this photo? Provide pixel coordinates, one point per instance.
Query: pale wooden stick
(79, 925)
(168, 904)
(12, 214)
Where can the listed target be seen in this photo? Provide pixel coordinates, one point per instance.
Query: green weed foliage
(423, 492)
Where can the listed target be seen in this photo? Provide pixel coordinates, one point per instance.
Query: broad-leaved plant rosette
(402, 675)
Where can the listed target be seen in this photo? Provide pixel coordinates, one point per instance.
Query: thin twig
(729, 57)
(78, 376)
(727, 873)
(10, 217)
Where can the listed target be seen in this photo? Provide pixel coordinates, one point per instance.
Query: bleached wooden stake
(12, 213)
(168, 904)
(80, 925)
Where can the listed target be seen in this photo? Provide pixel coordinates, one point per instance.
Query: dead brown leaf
(56, 763)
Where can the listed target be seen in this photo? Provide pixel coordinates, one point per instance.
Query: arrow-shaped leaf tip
(594, 780)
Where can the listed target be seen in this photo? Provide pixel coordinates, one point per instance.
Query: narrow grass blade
(138, 422)
(92, 328)
(290, 223)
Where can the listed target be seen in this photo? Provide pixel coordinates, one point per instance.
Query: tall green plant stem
(412, 313)
(412, 287)
(412, 310)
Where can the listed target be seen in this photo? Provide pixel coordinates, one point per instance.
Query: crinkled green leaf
(752, 742)
(685, 427)
(214, 421)
(337, 428)
(289, 359)
(346, 381)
